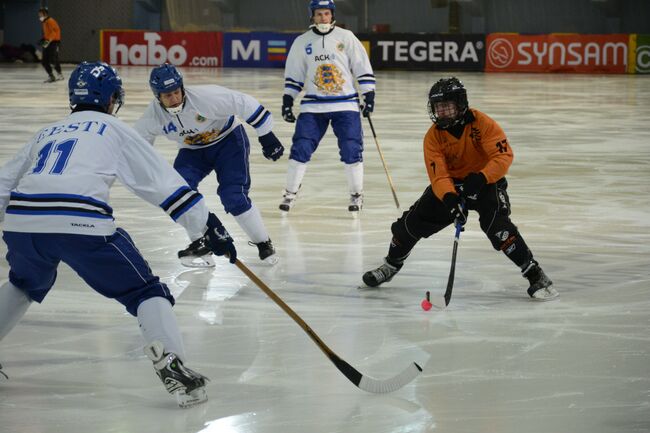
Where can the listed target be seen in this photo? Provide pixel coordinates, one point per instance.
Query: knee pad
(301, 151)
(501, 236)
(234, 199)
(351, 151)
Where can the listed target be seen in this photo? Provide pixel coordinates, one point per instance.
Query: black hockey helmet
(448, 90)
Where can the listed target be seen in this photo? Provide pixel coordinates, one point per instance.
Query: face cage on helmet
(175, 110)
(457, 97)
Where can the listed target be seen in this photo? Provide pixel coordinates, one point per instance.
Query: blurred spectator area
(81, 21)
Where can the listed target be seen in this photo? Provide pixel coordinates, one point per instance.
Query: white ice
(493, 361)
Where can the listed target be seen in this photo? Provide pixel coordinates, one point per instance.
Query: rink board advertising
(126, 47)
(507, 52)
(257, 49)
(431, 52)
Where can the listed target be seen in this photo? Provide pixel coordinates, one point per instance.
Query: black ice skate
(288, 200)
(50, 79)
(2, 373)
(186, 385)
(382, 274)
(197, 255)
(540, 285)
(356, 203)
(267, 252)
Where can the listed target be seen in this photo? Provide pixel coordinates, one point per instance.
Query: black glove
(472, 185)
(271, 146)
(287, 112)
(456, 208)
(219, 240)
(368, 103)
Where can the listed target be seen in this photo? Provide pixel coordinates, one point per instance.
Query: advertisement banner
(642, 54)
(256, 49)
(431, 52)
(136, 47)
(507, 52)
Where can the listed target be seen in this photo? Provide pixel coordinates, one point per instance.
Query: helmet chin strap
(324, 27)
(176, 110)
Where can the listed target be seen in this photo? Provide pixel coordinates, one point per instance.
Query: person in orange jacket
(50, 43)
(467, 156)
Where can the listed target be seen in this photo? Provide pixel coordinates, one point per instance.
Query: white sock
(13, 305)
(295, 173)
(158, 323)
(354, 173)
(251, 222)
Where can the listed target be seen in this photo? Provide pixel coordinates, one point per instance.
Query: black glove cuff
(451, 200)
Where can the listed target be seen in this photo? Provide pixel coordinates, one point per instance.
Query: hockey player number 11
(63, 150)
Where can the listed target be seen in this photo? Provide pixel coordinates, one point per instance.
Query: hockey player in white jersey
(324, 62)
(203, 121)
(54, 202)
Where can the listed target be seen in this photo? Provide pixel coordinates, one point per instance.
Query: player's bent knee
(235, 200)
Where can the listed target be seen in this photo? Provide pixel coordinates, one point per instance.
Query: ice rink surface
(493, 361)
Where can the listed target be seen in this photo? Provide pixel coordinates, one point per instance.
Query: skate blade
(548, 294)
(354, 214)
(198, 262)
(195, 397)
(272, 260)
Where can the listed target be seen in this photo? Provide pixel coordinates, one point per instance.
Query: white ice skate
(288, 200)
(356, 204)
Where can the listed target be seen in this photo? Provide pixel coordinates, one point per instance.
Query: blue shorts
(111, 265)
(311, 127)
(229, 160)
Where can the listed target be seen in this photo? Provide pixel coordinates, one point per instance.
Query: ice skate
(540, 285)
(3, 374)
(197, 255)
(382, 274)
(267, 252)
(356, 203)
(186, 385)
(50, 79)
(60, 77)
(288, 200)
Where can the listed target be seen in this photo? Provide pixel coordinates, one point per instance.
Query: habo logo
(146, 54)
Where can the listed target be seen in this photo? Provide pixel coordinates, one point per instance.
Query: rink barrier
(495, 52)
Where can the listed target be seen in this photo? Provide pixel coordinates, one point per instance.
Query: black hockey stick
(452, 269)
(364, 382)
(383, 161)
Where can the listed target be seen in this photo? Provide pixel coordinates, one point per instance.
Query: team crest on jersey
(200, 118)
(340, 46)
(329, 79)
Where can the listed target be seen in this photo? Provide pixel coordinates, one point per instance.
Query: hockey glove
(456, 208)
(472, 185)
(219, 239)
(271, 146)
(287, 111)
(368, 103)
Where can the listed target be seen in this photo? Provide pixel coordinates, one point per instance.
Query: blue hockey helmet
(321, 4)
(96, 83)
(165, 78)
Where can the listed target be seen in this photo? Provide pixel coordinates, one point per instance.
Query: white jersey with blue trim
(210, 113)
(59, 181)
(325, 66)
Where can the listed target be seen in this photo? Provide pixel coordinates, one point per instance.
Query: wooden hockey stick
(383, 161)
(362, 381)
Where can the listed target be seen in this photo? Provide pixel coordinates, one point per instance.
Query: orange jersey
(483, 147)
(51, 29)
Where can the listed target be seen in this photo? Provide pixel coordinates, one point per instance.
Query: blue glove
(287, 111)
(456, 207)
(219, 239)
(368, 103)
(271, 146)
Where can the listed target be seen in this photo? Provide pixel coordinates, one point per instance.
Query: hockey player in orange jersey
(50, 43)
(467, 156)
